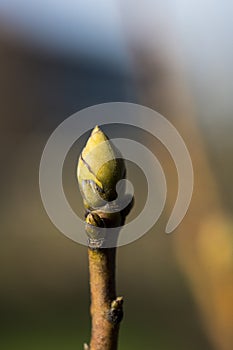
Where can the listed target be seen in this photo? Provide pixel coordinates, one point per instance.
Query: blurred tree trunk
(203, 241)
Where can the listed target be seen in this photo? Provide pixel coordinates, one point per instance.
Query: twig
(97, 181)
(106, 309)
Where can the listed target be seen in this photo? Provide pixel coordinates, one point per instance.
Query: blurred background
(57, 57)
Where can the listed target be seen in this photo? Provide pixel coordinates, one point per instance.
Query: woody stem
(105, 324)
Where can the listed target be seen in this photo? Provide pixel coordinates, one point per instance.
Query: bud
(99, 170)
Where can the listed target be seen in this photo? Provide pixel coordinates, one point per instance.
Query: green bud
(97, 175)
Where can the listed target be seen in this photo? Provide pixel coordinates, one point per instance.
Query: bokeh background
(57, 57)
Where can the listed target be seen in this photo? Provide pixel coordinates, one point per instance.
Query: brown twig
(106, 309)
(97, 181)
